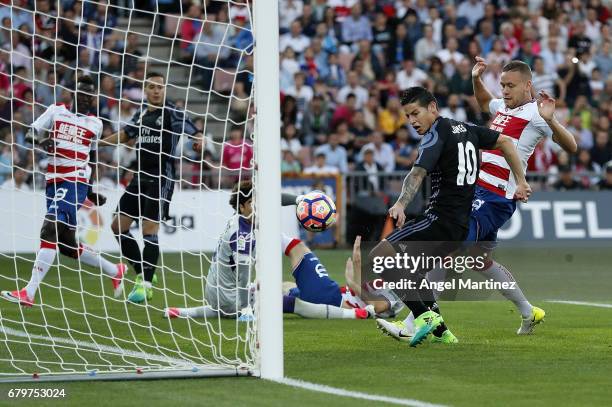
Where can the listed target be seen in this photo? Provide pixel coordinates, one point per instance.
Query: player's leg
(316, 295)
(127, 211)
(204, 311)
(488, 215)
(58, 198)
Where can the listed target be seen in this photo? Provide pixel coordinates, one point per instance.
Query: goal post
(268, 188)
(77, 329)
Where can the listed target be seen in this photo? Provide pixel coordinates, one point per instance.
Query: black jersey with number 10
(449, 153)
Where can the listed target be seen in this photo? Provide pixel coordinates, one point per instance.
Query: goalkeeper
(155, 129)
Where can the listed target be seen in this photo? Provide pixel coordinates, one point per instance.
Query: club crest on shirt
(158, 122)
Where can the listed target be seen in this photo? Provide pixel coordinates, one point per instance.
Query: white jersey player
(71, 145)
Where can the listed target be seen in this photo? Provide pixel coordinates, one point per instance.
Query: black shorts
(147, 198)
(429, 227)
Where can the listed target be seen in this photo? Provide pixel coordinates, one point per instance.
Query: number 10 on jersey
(468, 163)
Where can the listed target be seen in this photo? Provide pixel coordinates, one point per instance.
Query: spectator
(316, 120)
(472, 11)
(546, 81)
(492, 78)
(404, 149)
(335, 76)
(353, 86)
(392, 117)
(592, 27)
(356, 27)
(381, 34)
(210, 52)
(450, 57)
(237, 152)
(411, 76)
(295, 39)
(289, 164)
(552, 56)
(603, 59)
(511, 44)
(584, 137)
(131, 54)
(360, 129)
(289, 11)
(307, 21)
(344, 112)
(289, 111)
(21, 84)
(425, 47)
(191, 25)
(454, 110)
(372, 69)
(486, 38)
(368, 164)
(601, 153)
(585, 167)
(497, 53)
(289, 66)
(289, 139)
(320, 167)
(383, 152)
(438, 81)
(370, 111)
(5, 109)
(566, 181)
(300, 91)
(461, 84)
(579, 41)
(606, 183)
(335, 154)
(400, 47)
(18, 182)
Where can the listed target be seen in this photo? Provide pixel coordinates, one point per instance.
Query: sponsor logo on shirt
(71, 132)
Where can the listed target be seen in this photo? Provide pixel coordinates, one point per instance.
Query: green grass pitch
(566, 362)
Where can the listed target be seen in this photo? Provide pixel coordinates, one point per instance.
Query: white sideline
(89, 345)
(588, 304)
(354, 394)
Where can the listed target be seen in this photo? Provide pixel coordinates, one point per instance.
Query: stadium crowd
(342, 65)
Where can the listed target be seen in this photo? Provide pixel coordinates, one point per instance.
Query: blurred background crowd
(342, 66)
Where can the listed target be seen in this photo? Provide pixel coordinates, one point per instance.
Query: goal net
(77, 328)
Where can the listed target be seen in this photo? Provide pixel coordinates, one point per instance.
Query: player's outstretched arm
(506, 146)
(482, 94)
(118, 138)
(561, 136)
(412, 185)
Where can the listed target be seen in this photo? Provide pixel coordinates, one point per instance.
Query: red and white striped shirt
(525, 125)
(75, 136)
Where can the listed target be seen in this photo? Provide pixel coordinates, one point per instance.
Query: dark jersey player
(449, 153)
(155, 130)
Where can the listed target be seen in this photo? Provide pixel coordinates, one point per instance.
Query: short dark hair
(417, 94)
(86, 80)
(153, 74)
(241, 193)
(518, 66)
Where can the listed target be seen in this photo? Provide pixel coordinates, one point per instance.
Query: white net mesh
(76, 324)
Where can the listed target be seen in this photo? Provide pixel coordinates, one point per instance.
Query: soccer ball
(316, 212)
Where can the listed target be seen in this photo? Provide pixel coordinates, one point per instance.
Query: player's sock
(89, 257)
(320, 311)
(150, 255)
(130, 250)
(499, 273)
(409, 321)
(44, 260)
(205, 311)
(288, 243)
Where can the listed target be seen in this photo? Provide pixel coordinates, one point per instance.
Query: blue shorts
(489, 213)
(314, 284)
(64, 200)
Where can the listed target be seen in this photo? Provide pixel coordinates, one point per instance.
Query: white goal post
(77, 329)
